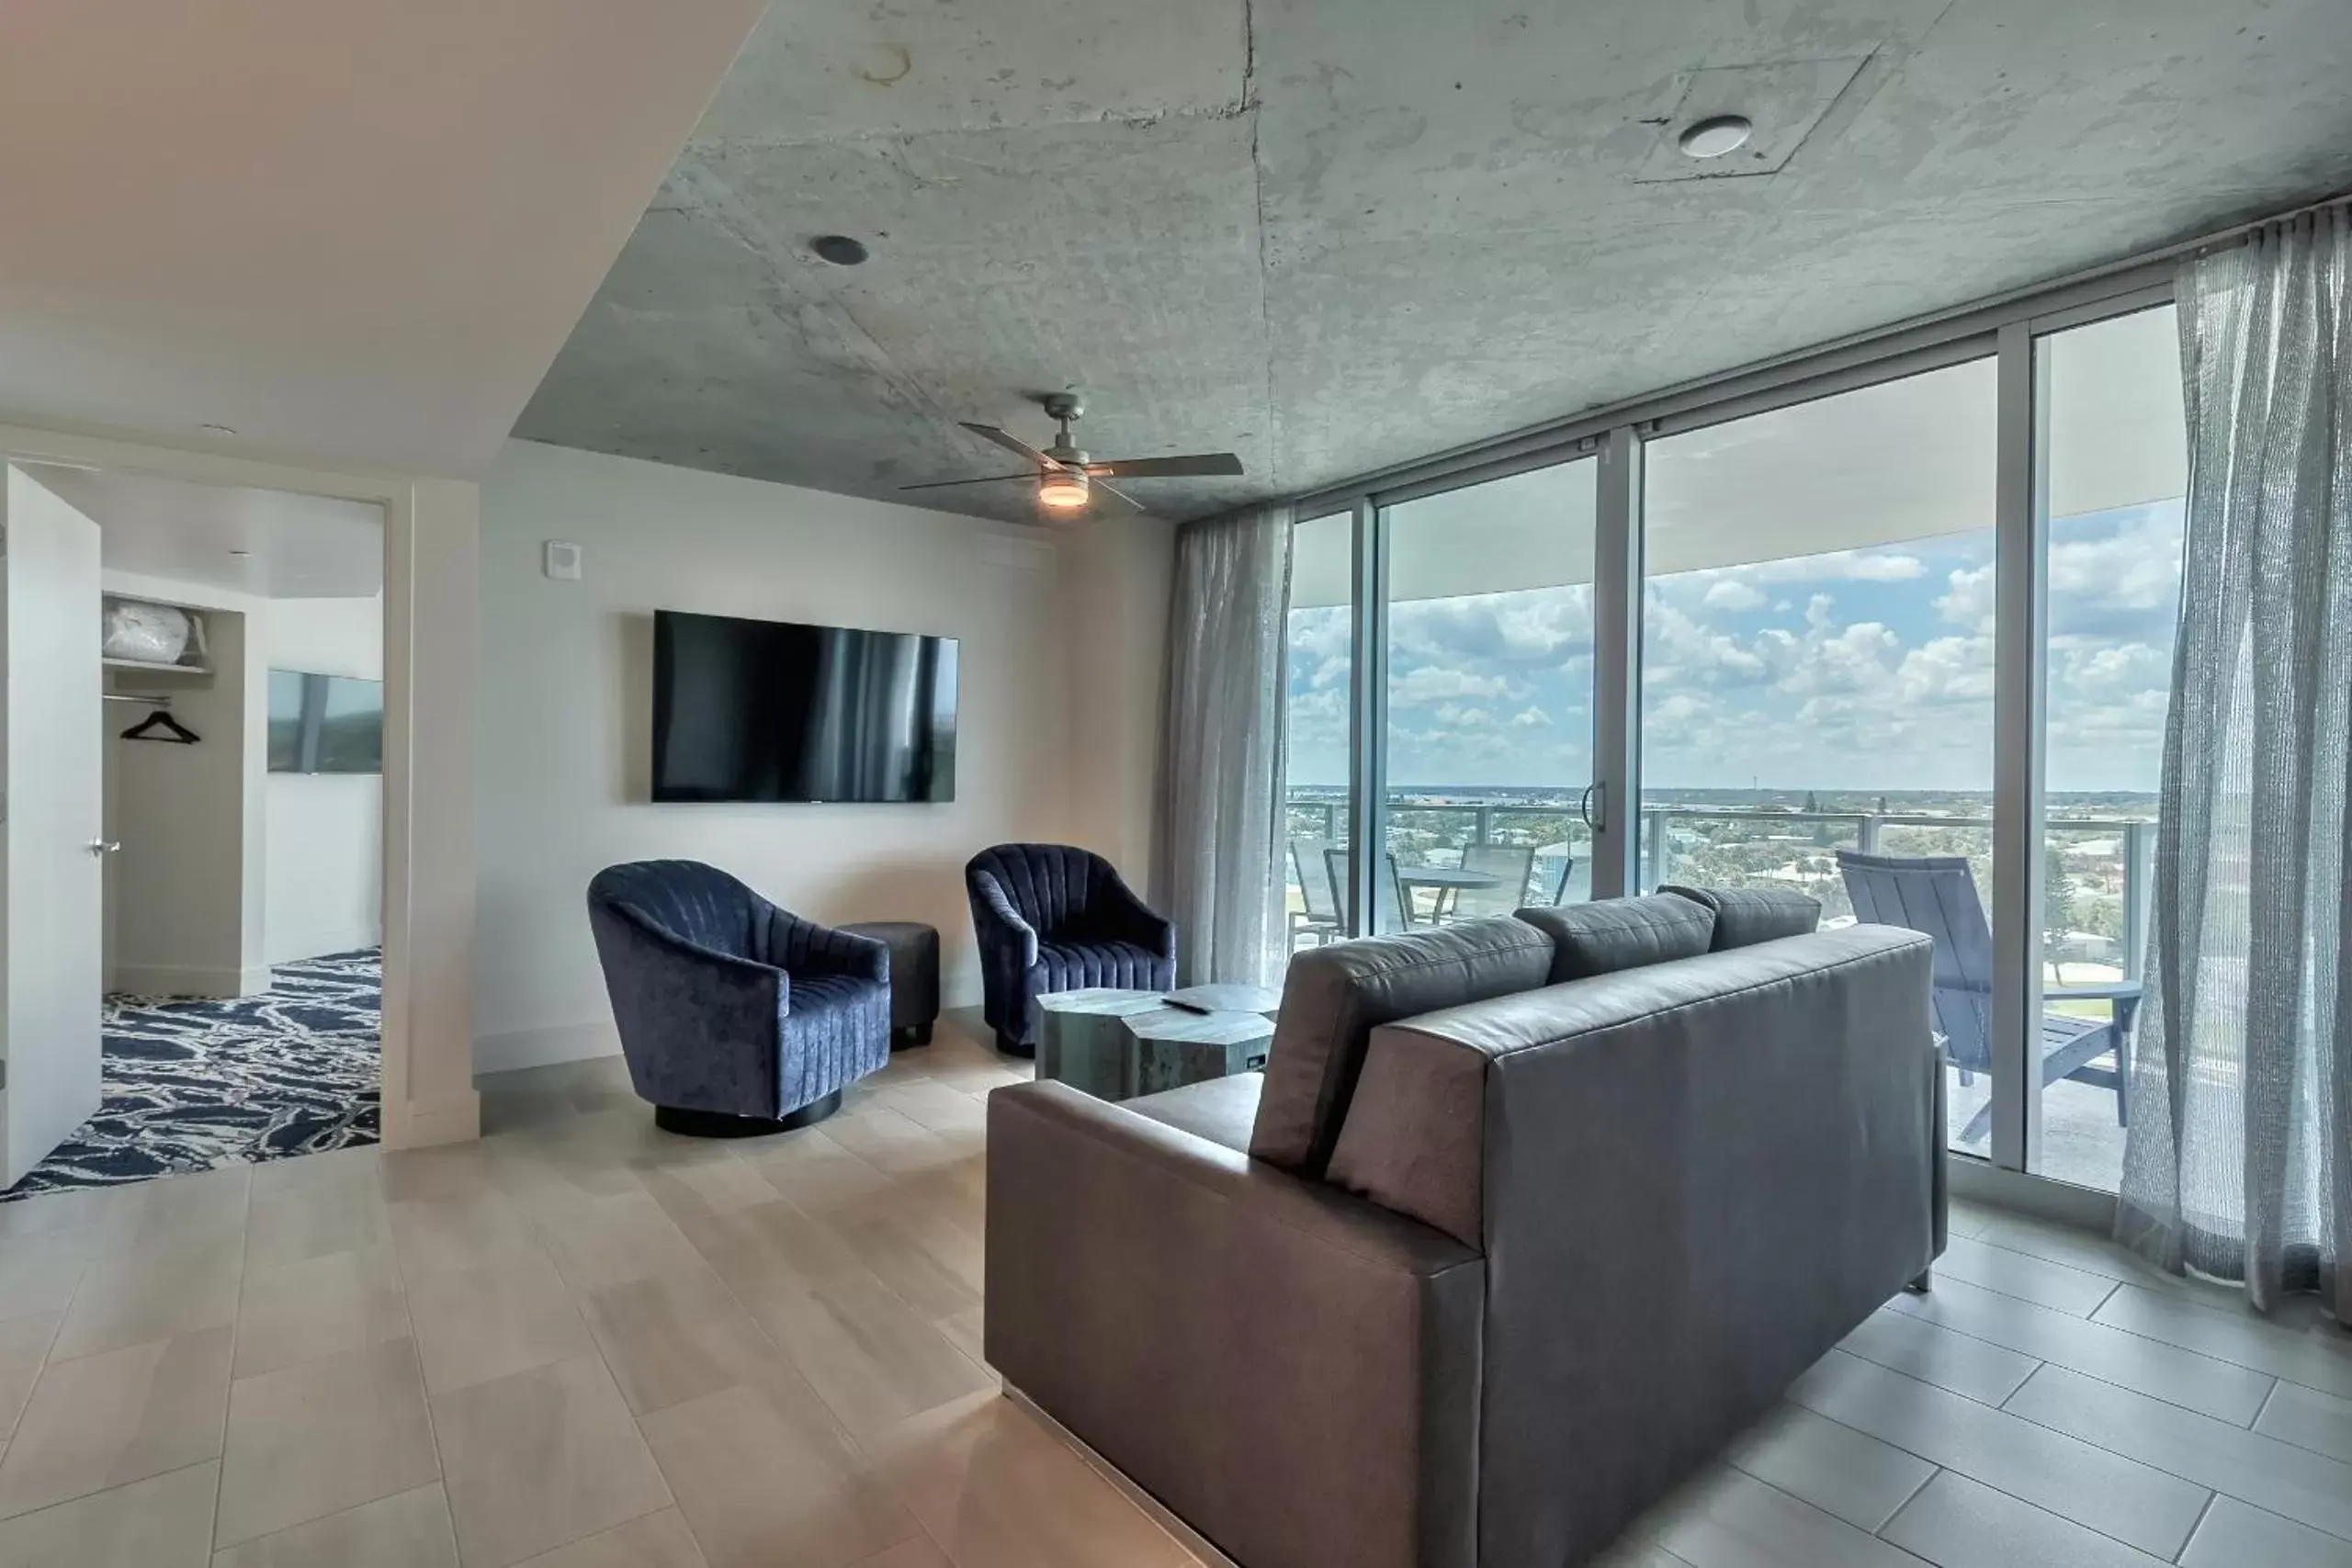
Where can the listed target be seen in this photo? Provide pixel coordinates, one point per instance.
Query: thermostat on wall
(562, 561)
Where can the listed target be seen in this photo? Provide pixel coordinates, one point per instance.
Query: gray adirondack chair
(1936, 895)
(1309, 858)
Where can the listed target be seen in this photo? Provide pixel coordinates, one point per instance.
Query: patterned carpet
(190, 1085)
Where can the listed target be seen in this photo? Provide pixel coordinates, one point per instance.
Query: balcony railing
(1765, 846)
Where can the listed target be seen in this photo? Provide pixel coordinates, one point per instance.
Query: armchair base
(1012, 1046)
(719, 1125)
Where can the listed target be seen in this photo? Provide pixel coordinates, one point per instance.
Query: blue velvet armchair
(1056, 918)
(736, 1017)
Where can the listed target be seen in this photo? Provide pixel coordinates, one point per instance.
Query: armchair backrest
(1049, 885)
(685, 899)
(1935, 895)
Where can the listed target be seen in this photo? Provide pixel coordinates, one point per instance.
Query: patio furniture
(736, 1017)
(1053, 918)
(1321, 917)
(1449, 882)
(1936, 895)
(1509, 864)
(1392, 906)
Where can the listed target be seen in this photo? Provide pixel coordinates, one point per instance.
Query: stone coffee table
(1117, 1045)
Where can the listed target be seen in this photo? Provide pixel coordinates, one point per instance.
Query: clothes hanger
(176, 733)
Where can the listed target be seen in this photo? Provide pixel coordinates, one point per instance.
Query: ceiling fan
(1068, 478)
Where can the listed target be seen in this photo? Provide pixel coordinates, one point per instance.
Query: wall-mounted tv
(777, 711)
(325, 724)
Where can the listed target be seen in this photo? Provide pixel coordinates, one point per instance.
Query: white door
(52, 858)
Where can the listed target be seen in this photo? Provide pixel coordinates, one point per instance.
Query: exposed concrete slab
(1353, 235)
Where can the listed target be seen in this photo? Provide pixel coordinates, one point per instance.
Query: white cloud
(1530, 718)
(1432, 683)
(1733, 594)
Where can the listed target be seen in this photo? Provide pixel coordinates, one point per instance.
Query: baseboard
(355, 940)
(420, 1124)
(188, 980)
(1183, 1535)
(545, 1047)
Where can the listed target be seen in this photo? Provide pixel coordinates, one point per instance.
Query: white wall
(324, 833)
(1115, 577)
(565, 703)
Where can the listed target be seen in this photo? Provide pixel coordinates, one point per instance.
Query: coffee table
(1117, 1045)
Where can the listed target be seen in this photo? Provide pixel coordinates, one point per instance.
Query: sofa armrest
(999, 921)
(1292, 1370)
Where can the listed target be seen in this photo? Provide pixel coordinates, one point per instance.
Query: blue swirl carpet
(193, 1084)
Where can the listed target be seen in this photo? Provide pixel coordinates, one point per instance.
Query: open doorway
(234, 675)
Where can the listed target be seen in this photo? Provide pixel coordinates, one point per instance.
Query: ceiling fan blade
(1202, 464)
(1103, 487)
(991, 479)
(1010, 443)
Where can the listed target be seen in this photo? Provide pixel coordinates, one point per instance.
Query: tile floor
(583, 1344)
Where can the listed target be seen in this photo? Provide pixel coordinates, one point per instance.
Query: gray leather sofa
(1523, 1221)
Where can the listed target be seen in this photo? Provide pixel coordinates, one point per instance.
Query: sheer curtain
(2241, 1095)
(1221, 754)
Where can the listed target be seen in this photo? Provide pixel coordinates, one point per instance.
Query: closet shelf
(156, 667)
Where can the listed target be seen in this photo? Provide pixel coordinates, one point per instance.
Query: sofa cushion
(1620, 933)
(1746, 916)
(1221, 1109)
(1334, 996)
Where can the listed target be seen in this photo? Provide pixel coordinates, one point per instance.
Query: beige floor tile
(605, 1241)
(918, 1552)
(360, 1164)
(158, 1290)
(763, 1475)
(996, 1490)
(72, 1214)
(178, 1210)
(936, 1105)
(676, 1337)
(479, 1230)
(1957, 1523)
(2237, 1535)
(340, 1213)
(474, 1324)
(39, 1271)
(713, 1187)
(323, 1435)
(446, 1170)
(163, 1522)
(967, 1332)
(872, 1358)
(1725, 1519)
(408, 1529)
(24, 1346)
(657, 1541)
(814, 1171)
(2304, 1416)
(893, 1143)
(541, 1459)
(109, 1419)
(320, 1307)
(772, 1243)
(1835, 1469)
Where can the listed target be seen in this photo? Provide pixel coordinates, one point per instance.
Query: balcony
(2098, 872)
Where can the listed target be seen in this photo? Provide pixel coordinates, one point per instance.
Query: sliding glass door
(1486, 744)
(1816, 693)
(2111, 494)
(1317, 690)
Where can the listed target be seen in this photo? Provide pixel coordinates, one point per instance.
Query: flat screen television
(325, 724)
(777, 711)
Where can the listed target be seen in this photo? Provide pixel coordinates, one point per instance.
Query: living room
(1172, 783)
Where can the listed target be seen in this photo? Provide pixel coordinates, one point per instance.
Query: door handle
(105, 846)
(1584, 804)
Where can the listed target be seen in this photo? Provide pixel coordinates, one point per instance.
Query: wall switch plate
(562, 561)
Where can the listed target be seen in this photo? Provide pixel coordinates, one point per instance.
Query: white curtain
(2241, 1095)
(1221, 748)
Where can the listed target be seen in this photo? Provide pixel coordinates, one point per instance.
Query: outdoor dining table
(1447, 882)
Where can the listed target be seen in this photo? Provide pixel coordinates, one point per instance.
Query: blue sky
(1868, 670)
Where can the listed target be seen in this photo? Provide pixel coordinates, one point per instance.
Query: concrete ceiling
(349, 232)
(1333, 238)
(268, 542)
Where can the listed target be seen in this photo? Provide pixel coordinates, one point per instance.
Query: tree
(2057, 893)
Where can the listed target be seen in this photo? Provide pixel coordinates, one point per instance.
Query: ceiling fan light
(1065, 490)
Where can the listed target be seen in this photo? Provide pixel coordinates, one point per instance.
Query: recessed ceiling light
(1716, 135)
(216, 430)
(838, 249)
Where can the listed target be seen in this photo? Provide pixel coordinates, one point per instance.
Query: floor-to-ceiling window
(1314, 729)
(1817, 667)
(2114, 476)
(1487, 742)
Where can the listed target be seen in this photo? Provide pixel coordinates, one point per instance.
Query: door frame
(431, 636)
